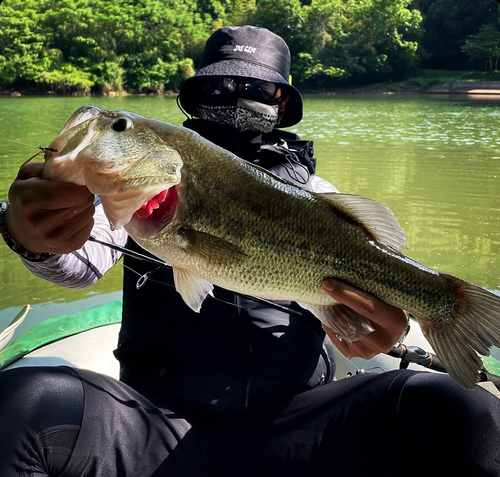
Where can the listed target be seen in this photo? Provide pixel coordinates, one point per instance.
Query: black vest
(234, 356)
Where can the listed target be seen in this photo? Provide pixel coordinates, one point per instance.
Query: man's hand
(389, 322)
(47, 216)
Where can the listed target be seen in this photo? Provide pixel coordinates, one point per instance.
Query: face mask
(245, 115)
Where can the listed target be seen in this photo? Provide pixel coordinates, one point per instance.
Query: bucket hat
(250, 52)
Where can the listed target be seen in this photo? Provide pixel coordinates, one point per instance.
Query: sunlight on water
(435, 162)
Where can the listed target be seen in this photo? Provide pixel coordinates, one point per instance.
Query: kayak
(86, 340)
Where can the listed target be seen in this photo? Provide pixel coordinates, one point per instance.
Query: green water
(433, 160)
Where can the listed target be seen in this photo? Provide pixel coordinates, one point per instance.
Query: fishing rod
(407, 354)
(417, 355)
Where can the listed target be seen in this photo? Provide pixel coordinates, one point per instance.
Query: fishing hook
(42, 151)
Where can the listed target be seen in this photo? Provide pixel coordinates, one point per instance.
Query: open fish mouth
(160, 208)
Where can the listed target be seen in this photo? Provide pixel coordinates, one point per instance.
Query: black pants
(58, 421)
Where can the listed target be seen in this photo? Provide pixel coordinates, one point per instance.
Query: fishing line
(162, 282)
(42, 149)
(146, 277)
(161, 264)
(16, 142)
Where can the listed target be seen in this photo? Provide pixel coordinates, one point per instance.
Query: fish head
(121, 158)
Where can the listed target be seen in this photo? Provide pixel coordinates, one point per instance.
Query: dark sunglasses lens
(261, 89)
(253, 88)
(219, 85)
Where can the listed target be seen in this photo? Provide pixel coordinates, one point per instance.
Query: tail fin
(473, 326)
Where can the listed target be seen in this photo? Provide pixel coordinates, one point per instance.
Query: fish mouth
(160, 208)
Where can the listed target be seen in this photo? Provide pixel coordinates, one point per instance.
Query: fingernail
(328, 285)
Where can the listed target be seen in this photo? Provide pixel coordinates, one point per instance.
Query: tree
(448, 24)
(84, 45)
(22, 49)
(241, 11)
(363, 41)
(484, 46)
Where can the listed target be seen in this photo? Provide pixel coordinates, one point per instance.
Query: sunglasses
(252, 88)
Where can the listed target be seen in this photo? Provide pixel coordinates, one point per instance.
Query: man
(239, 389)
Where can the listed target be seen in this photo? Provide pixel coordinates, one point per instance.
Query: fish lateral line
(161, 264)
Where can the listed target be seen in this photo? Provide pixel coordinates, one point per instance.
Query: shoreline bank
(449, 87)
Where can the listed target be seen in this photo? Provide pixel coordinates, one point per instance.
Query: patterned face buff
(248, 104)
(244, 114)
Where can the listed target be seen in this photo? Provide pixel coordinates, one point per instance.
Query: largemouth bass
(220, 220)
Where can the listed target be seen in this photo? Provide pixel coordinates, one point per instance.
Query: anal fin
(346, 323)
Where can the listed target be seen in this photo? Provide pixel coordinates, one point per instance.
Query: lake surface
(434, 160)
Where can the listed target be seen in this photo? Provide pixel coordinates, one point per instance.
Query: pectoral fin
(212, 249)
(192, 288)
(346, 323)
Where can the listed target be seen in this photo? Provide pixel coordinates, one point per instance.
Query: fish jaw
(61, 156)
(117, 156)
(120, 208)
(122, 194)
(156, 214)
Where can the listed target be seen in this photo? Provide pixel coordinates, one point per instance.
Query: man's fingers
(36, 194)
(65, 230)
(74, 241)
(31, 169)
(372, 344)
(48, 216)
(363, 303)
(389, 322)
(356, 299)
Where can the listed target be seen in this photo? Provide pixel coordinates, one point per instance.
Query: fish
(217, 219)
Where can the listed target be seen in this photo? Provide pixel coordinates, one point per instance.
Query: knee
(442, 399)
(43, 395)
(448, 426)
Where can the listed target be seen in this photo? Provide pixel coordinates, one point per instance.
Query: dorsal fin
(376, 218)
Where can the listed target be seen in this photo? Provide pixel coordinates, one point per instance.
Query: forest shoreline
(448, 87)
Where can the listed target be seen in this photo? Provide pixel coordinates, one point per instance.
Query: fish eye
(121, 124)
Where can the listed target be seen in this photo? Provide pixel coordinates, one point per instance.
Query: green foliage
(22, 41)
(67, 78)
(84, 45)
(241, 11)
(95, 46)
(363, 41)
(485, 45)
(283, 17)
(426, 78)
